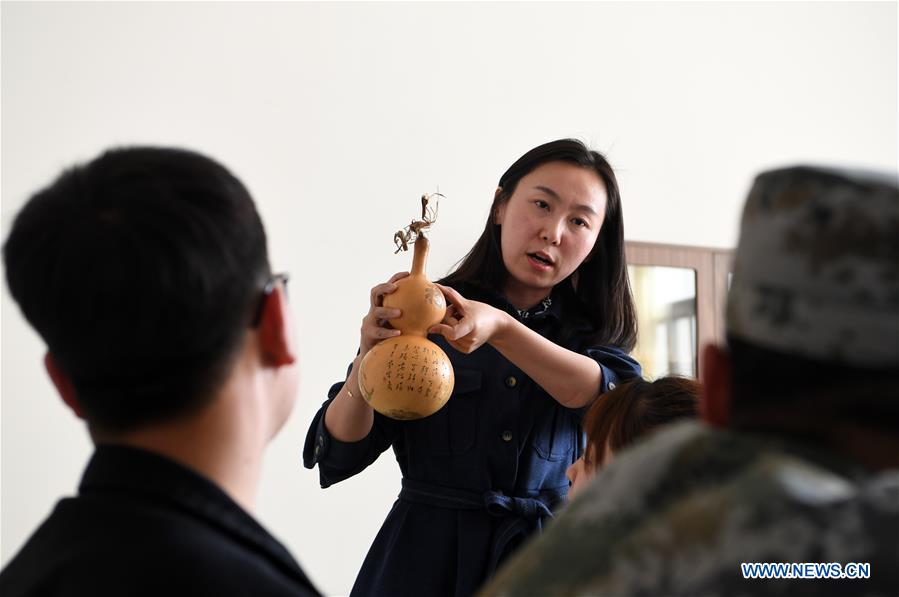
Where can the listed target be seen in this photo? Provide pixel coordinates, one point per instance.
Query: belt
(523, 515)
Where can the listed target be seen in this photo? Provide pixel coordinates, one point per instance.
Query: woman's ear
(276, 336)
(499, 211)
(715, 394)
(63, 385)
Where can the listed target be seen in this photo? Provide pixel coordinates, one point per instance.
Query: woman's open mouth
(540, 261)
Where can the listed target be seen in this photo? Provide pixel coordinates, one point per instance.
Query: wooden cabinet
(680, 293)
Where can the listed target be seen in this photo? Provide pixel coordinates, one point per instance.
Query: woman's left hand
(468, 325)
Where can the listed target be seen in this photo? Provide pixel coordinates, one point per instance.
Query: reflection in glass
(666, 315)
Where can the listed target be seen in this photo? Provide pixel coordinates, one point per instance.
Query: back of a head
(813, 308)
(139, 270)
(636, 407)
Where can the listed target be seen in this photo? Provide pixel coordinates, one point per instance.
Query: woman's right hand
(376, 321)
(349, 418)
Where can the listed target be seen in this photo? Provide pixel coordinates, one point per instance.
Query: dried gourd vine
(408, 235)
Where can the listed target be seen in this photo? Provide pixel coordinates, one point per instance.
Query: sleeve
(617, 366)
(339, 460)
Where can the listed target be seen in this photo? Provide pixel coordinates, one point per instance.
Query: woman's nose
(551, 232)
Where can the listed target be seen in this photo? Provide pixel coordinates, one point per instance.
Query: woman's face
(580, 473)
(549, 226)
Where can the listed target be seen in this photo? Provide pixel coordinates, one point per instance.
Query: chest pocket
(454, 428)
(556, 433)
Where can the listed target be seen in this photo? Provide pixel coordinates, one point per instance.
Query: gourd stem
(420, 256)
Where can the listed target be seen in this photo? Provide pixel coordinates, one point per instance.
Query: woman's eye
(580, 222)
(541, 204)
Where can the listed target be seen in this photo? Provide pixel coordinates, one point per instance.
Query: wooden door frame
(711, 266)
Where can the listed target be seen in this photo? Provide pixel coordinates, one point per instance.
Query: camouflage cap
(816, 271)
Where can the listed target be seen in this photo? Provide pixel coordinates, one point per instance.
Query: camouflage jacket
(679, 513)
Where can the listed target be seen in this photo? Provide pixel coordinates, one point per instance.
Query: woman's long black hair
(600, 284)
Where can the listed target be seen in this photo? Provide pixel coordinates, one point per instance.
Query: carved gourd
(408, 376)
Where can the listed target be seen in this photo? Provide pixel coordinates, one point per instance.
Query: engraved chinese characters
(408, 376)
(412, 379)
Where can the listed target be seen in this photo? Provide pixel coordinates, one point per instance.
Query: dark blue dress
(479, 475)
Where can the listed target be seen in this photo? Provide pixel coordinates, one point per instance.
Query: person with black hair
(146, 273)
(791, 487)
(539, 324)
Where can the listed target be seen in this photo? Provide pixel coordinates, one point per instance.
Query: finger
(385, 313)
(452, 296)
(463, 347)
(452, 332)
(463, 329)
(449, 319)
(442, 329)
(397, 276)
(379, 291)
(379, 333)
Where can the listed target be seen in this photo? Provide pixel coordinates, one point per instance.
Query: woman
(540, 322)
(620, 417)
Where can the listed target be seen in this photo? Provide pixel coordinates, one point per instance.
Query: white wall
(338, 116)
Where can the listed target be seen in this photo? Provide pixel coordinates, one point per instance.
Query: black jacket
(145, 525)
